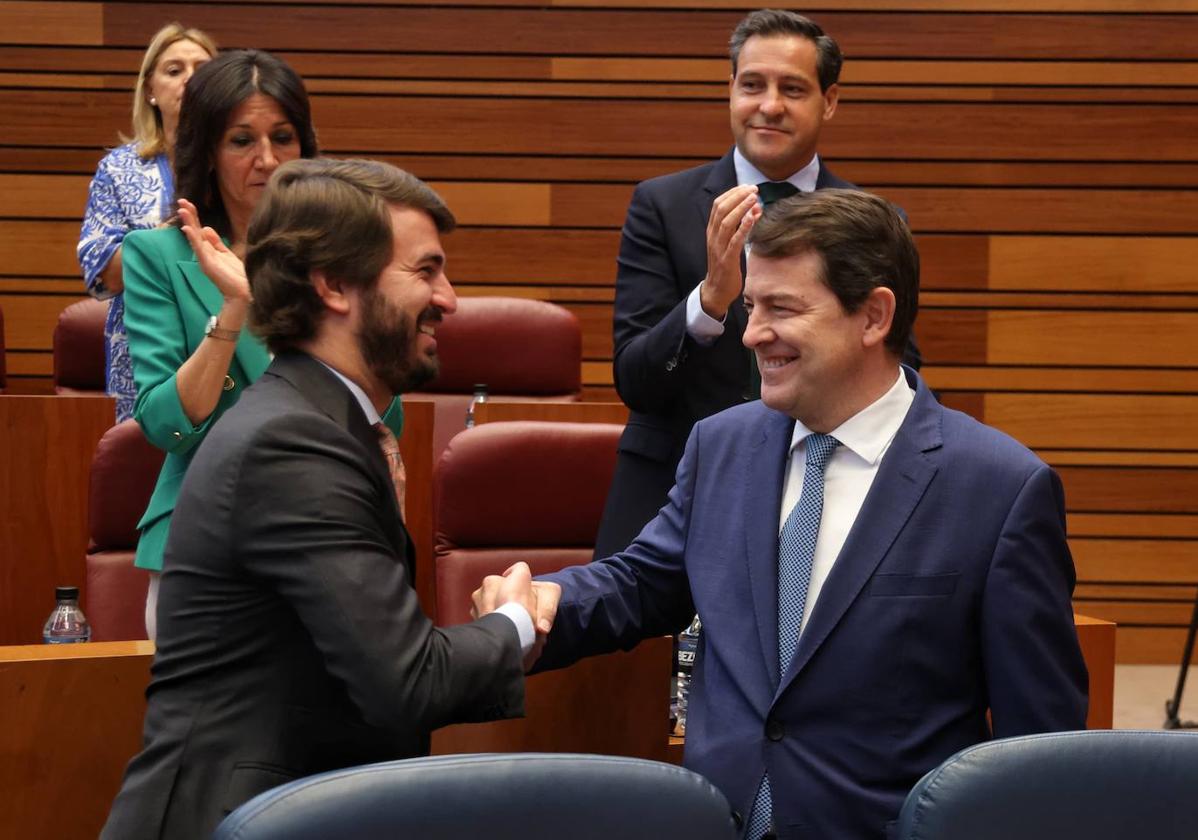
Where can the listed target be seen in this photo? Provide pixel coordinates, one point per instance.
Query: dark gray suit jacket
(290, 638)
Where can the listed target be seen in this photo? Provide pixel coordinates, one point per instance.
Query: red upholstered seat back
(518, 348)
(123, 473)
(513, 345)
(504, 492)
(79, 348)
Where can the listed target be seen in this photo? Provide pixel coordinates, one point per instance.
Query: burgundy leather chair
(123, 473)
(534, 491)
(519, 348)
(525, 490)
(79, 348)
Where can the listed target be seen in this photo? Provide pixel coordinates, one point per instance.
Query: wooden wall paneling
(1130, 489)
(46, 447)
(1135, 264)
(1100, 421)
(1042, 150)
(51, 23)
(1049, 378)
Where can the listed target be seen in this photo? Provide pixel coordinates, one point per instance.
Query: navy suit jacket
(667, 379)
(950, 597)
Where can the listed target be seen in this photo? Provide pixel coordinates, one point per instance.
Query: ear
(330, 293)
(878, 314)
(831, 97)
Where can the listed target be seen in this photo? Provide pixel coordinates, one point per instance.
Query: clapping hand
(224, 268)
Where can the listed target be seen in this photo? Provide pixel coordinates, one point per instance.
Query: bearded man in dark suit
(290, 639)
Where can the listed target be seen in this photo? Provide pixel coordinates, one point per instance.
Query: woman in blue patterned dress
(134, 188)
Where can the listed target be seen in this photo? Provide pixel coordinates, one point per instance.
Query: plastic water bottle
(688, 642)
(67, 623)
(480, 397)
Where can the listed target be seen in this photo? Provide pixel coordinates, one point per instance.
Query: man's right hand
(514, 585)
(732, 217)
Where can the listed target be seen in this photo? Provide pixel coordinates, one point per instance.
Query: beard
(387, 340)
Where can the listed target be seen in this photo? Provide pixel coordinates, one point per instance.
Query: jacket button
(177, 435)
(774, 730)
(229, 384)
(738, 820)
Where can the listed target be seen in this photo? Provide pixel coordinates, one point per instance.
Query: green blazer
(168, 301)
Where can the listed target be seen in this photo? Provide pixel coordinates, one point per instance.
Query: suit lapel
(327, 393)
(764, 474)
(906, 470)
(825, 180)
(250, 354)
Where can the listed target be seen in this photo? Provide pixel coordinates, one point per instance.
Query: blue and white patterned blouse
(128, 193)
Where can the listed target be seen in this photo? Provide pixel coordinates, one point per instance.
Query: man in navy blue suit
(678, 321)
(874, 572)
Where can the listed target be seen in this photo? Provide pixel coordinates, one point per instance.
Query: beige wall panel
(52, 23)
(29, 320)
(1095, 263)
(496, 204)
(1131, 339)
(1132, 525)
(994, 378)
(1135, 561)
(44, 196)
(1100, 421)
(36, 248)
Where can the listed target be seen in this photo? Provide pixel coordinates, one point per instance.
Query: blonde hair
(147, 121)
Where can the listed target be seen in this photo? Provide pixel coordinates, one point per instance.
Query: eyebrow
(247, 125)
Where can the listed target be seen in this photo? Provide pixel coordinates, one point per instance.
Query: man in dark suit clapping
(678, 314)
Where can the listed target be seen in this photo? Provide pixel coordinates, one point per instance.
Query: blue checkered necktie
(796, 552)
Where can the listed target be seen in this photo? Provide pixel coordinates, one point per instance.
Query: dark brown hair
(863, 243)
(212, 94)
(324, 215)
(773, 23)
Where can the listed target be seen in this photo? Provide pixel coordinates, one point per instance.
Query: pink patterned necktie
(390, 447)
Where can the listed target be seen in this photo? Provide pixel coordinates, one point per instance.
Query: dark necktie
(771, 191)
(768, 192)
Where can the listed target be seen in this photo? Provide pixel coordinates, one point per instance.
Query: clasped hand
(515, 585)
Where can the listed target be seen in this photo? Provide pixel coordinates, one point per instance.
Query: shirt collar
(747, 173)
(372, 414)
(868, 432)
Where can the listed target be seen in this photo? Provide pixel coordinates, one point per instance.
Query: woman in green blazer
(244, 113)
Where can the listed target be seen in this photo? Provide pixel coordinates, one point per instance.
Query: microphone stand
(1172, 707)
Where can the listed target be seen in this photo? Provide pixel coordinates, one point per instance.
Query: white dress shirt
(701, 326)
(848, 475)
(516, 613)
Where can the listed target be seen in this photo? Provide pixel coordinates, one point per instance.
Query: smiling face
(165, 84)
(776, 106)
(811, 352)
(258, 138)
(399, 314)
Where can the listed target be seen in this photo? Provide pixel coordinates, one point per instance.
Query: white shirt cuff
(520, 617)
(699, 325)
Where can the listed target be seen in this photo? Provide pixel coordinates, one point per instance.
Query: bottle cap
(65, 593)
(480, 386)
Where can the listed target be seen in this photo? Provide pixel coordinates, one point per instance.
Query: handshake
(515, 585)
